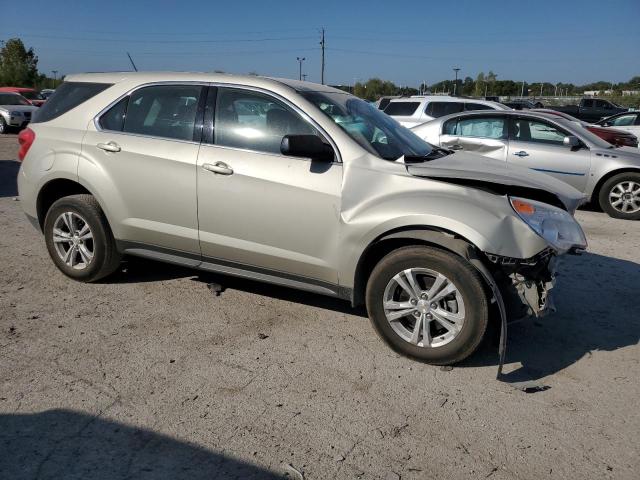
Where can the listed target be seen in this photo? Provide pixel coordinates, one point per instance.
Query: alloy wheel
(625, 196)
(424, 307)
(73, 240)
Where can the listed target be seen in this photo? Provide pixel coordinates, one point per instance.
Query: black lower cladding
(200, 262)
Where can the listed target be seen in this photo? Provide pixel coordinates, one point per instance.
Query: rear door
(538, 144)
(483, 135)
(143, 152)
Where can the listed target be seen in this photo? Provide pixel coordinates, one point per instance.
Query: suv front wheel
(79, 239)
(428, 304)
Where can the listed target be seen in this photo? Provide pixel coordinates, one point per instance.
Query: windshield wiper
(437, 152)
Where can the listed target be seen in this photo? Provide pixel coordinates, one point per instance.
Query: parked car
(547, 143)
(15, 111)
(300, 185)
(591, 109)
(412, 111)
(30, 94)
(627, 121)
(614, 136)
(46, 93)
(523, 104)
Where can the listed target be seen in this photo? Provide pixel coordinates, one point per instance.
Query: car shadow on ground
(69, 444)
(596, 297)
(8, 174)
(597, 311)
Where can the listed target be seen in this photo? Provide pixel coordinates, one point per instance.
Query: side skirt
(239, 270)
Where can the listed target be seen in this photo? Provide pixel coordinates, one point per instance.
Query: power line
(226, 40)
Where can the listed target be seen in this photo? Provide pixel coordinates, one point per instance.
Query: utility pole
(541, 86)
(300, 60)
(55, 77)
(555, 93)
(522, 90)
(322, 64)
(455, 85)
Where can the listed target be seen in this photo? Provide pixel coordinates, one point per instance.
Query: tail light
(25, 138)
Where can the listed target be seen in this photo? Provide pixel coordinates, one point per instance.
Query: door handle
(456, 147)
(109, 147)
(218, 167)
(521, 153)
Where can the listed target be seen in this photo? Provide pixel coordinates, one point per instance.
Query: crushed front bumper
(526, 284)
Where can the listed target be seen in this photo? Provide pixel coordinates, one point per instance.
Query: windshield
(374, 130)
(30, 95)
(12, 99)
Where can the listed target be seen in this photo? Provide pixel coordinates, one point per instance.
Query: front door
(538, 144)
(258, 208)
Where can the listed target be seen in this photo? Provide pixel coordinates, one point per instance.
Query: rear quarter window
(440, 109)
(402, 108)
(67, 97)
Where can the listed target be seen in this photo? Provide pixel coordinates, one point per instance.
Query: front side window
(255, 121)
(440, 109)
(372, 129)
(602, 104)
(401, 109)
(587, 103)
(167, 111)
(526, 130)
(483, 127)
(623, 120)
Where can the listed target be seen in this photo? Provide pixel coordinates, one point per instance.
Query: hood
(609, 131)
(499, 177)
(19, 108)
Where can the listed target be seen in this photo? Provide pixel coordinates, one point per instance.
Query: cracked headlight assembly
(555, 225)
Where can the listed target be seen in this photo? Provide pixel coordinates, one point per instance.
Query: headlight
(16, 113)
(553, 224)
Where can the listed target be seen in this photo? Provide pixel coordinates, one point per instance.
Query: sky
(407, 42)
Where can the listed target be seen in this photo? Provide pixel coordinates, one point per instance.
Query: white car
(629, 121)
(15, 111)
(418, 109)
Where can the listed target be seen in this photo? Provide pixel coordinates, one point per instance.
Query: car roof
(153, 77)
(447, 98)
(16, 89)
(508, 113)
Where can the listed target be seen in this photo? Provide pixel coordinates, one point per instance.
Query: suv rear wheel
(620, 196)
(79, 239)
(428, 304)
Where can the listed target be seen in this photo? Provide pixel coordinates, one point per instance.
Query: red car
(617, 137)
(30, 94)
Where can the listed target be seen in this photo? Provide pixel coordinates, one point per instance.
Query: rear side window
(66, 97)
(401, 108)
(482, 127)
(113, 119)
(163, 111)
(440, 109)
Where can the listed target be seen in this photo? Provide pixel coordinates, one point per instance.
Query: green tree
(468, 86)
(18, 66)
(480, 82)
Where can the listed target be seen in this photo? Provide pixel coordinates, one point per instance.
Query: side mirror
(306, 146)
(571, 141)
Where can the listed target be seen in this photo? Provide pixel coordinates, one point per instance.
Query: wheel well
(595, 196)
(378, 249)
(54, 190)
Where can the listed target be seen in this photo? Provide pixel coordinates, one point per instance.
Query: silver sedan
(547, 143)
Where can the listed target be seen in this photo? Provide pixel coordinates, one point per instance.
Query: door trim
(234, 269)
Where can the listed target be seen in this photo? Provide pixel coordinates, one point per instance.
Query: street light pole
(455, 85)
(55, 77)
(300, 60)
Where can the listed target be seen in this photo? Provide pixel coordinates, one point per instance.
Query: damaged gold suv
(296, 184)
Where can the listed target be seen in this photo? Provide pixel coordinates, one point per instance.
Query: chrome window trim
(298, 110)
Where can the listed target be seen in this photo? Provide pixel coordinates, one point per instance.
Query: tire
(469, 300)
(611, 192)
(4, 128)
(81, 211)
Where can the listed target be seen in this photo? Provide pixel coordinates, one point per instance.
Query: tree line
(19, 67)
